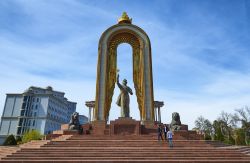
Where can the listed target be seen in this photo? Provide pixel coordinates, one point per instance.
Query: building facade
(35, 109)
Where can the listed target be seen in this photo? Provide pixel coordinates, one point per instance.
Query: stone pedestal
(125, 126)
(87, 128)
(66, 132)
(98, 127)
(64, 126)
(184, 127)
(187, 135)
(149, 124)
(149, 127)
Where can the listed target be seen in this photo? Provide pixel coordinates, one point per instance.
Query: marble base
(125, 126)
(98, 127)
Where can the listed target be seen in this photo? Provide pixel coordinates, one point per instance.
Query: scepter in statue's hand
(117, 73)
(117, 78)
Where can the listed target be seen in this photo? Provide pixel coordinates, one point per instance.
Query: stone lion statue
(74, 123)
(176, 122)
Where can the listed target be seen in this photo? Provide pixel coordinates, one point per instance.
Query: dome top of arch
(124, 19)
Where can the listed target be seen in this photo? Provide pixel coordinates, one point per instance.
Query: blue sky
(200, 51)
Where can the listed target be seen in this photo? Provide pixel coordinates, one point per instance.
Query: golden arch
(107, 67)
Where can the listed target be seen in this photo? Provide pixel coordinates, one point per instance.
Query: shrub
(10, 140)
(207, 137)
(19, 140)
(31, 135)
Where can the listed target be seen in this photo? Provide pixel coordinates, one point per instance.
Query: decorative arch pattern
(112, 67)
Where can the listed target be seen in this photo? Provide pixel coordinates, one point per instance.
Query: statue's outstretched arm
(118, 83)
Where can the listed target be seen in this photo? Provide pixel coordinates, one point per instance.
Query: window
(19, 129)
(34, 114)
(25, 98)
(24, 122)
(34, 122)
(24, 105)
(26, 113)
(20, 122)
(37, 100)
(36, 106)
(22, 112)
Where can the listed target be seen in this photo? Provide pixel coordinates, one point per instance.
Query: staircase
(9, 150)
(89, 148)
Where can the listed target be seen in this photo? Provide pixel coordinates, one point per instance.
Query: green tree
(226, 127)
(228, 124)
(218, 135)
(10, 140)
(240, 137)
(243, 115)
(205, 126)
(31, 135)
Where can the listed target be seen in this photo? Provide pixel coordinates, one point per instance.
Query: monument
(107, 76)
(124, 32)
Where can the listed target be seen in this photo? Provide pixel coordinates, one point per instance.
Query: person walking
(159, 130)
(165, 130)
(170, 138)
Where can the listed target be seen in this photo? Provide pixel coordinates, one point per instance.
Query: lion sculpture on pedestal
(176, 122)
(74, 123)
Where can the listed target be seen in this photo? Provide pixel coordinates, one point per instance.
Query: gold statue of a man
(123, 98)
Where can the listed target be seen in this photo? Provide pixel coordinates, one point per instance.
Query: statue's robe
(123, 99)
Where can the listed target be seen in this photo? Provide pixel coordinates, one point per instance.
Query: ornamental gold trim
(113, 43)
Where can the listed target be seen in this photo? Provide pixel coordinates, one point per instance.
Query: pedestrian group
(168, 134)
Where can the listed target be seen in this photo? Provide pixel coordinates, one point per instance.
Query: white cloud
(229, 84)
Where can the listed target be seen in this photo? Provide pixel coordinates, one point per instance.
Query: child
(170, 138)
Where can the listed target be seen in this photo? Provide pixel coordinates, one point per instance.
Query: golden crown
(124, 18)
